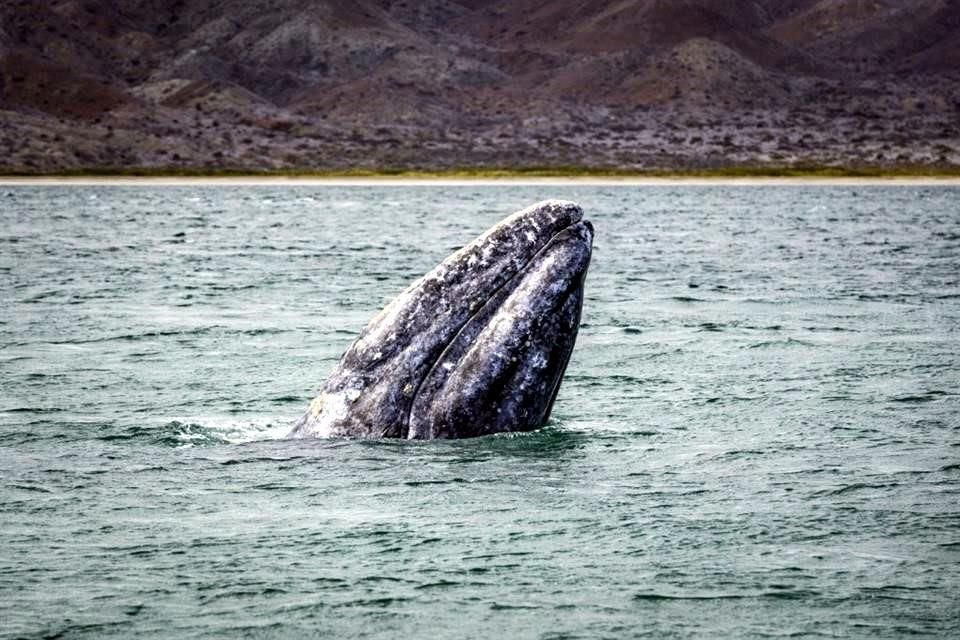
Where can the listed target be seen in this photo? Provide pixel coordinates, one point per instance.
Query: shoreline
(479, 180)
(457, 176)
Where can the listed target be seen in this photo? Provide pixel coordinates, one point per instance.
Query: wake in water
(207, 431)
(212, 431)
(217, 430)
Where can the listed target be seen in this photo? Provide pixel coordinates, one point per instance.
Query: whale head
(478, 345)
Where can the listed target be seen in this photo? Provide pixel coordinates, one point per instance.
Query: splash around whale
(478, 345)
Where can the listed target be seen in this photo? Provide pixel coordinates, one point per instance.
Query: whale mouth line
(506, 287)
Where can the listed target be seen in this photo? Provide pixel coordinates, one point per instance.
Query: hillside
(292, 84)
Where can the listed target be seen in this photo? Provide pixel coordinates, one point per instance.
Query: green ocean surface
(758, 434)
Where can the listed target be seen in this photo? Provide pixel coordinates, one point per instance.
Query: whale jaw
(478, 345)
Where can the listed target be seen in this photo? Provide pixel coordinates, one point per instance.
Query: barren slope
(375, 83)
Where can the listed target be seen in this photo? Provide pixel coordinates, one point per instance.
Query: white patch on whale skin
(386, 318)
(538, 361)
(316, 406)
(334, 409)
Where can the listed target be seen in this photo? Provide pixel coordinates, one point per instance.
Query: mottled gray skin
(478, 345)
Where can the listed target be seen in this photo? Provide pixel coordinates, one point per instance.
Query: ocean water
(758, 434)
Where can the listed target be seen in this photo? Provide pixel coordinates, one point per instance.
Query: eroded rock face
(478, 345)
(337, 85)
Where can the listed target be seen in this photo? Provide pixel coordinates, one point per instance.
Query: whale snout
(478, 345)
(503, 370)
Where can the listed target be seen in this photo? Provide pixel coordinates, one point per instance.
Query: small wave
(262, 331)
(30, 487)
(929, 396)
(898, 592)
(230, 431)
(727, 399)
(188, 432)
(146, 335)
(711, 326)
(740, 453)
(857, 486)
(386, 601)
(789, 342)
(445, 481)
(833, 329)
(91, 629)
(502, 606)
(34, 410)
(887, 297)
(773, 593)
(629, 379)
(448, 584)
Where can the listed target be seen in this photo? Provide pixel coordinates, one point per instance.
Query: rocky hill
(295, 84)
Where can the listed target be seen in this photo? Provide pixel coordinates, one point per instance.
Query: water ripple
(757, 434)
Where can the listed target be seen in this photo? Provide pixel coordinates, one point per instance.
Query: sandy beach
(136, 181)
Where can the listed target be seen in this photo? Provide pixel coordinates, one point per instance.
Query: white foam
(201, 430)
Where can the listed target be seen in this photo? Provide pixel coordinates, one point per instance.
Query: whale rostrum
(478, 345)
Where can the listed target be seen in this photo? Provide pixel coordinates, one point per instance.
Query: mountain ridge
(331, 85)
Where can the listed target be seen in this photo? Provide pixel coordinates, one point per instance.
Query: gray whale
(478, 345)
